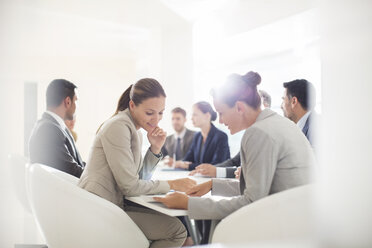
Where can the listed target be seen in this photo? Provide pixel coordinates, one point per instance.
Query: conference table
(164, 172)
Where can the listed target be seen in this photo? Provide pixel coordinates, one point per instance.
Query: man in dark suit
(51, 143)
(298, 105)
(177, 144)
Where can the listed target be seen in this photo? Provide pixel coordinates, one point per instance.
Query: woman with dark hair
(210, 145)
(116, 169)
(275, 155)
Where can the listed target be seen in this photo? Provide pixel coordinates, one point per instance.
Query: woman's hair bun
(252, 78)
(213, 115)
(205, 107)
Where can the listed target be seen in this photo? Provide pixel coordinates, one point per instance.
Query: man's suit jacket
(275, 156)
(49, 144)
(115, 167)
(215, 150)
(230, 165)
(169, 147)
(310, 127)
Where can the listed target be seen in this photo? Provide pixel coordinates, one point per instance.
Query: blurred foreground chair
(18, 170)
(72, 217)
(18, 166)
(285, 216)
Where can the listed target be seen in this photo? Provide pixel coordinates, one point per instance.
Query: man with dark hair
(51, 143)
(298, 105)
(177, 144)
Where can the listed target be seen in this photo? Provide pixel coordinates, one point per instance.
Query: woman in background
(116, 169)
(210, 145)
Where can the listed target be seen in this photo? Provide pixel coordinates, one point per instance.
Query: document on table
(149, 202)
(150, 198)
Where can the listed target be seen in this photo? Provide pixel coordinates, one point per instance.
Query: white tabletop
(157, 206)
(163, 172)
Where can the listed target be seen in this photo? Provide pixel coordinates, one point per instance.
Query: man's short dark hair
(57, 91)
(303, 90)
(179, 110)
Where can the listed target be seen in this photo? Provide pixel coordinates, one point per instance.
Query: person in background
(231, 167)
(116, 169)
(175, 148)
(298, 104)
(51, 143)
(210, 145)
(275, 155)
(265, 98)
(177, 144)
(70, 124)
(226, 169)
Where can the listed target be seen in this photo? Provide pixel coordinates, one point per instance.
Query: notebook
(150, 198)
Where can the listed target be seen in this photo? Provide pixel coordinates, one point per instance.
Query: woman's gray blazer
(115, 166)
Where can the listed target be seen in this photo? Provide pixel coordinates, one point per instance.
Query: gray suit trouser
(162, 230)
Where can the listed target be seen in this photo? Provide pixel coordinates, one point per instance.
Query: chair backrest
(18, 166)
(65, 176)
(279, 217)
(72, 217)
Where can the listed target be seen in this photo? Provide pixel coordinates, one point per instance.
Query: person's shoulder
(219, 132)
(271, 121)
(169, 138)
(257, 130)
(313, 121)
(189, 133)
(275, 127)
(46, 131)
(117, 124)
(123, 116)
(314, 116)
(47, 125)
(197, 134)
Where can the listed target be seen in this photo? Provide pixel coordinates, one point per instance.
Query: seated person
(210, 145)
(275, 155)
(298, 105)
(116, 168)
(225, 169)
(51, 142)
(177, 144)
(228, 168)
(265, 99)
(70, 124)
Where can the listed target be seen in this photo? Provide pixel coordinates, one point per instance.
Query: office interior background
(190, 46)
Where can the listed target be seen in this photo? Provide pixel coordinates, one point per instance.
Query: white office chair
(65, 176)
(285, 216)
(18, 166)
(72, 217)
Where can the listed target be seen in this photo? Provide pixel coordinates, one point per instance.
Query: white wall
(277, 39)
(102, 48)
